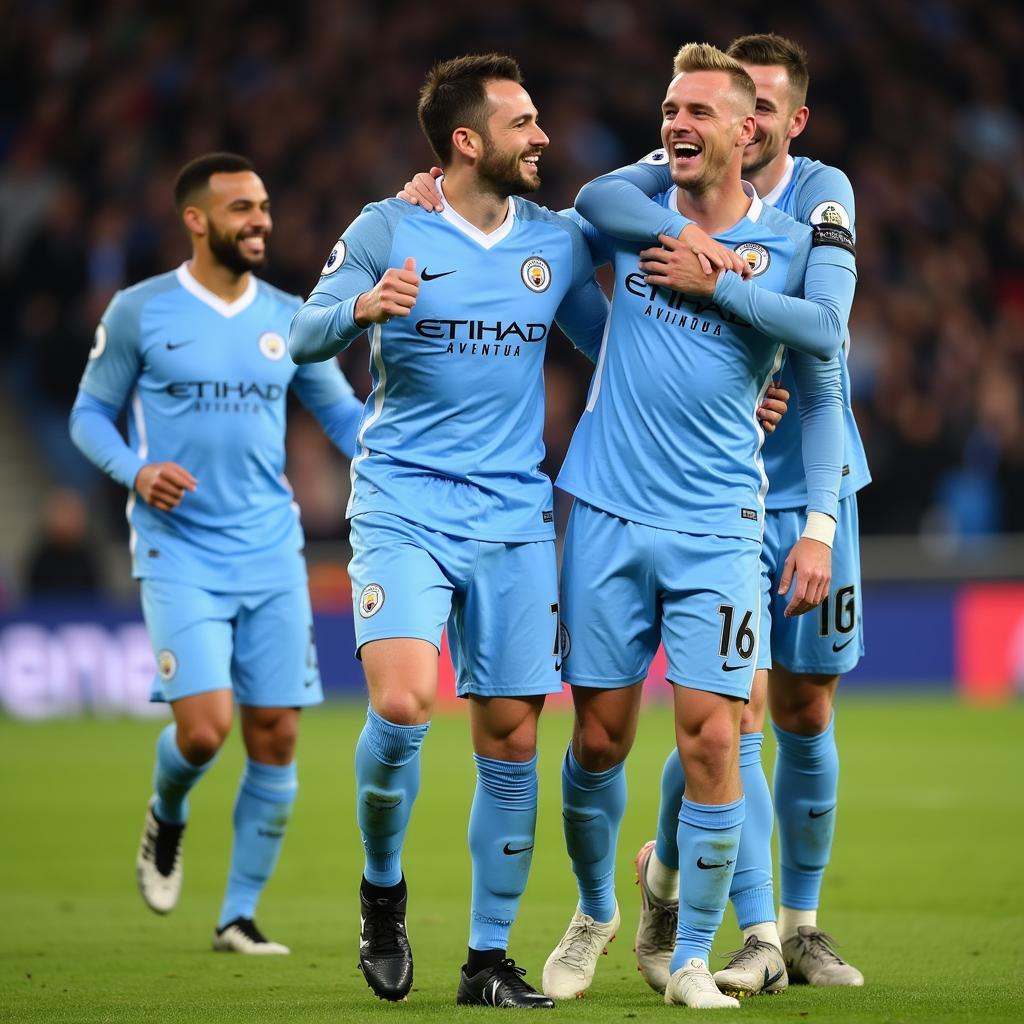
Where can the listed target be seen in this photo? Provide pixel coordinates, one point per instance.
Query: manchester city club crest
(167, 664)
(536, 274)
(757, 256)
(335, 259)
(371, 600)
(273, 346)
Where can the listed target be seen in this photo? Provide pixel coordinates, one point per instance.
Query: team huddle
(734, 274)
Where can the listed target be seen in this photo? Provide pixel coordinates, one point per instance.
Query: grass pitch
(925, 891)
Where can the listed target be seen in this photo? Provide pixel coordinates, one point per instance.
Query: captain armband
(833, 234)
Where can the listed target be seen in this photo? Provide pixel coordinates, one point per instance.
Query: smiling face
(236, 218)
(779, 116)
(705, 126)
(513, 142)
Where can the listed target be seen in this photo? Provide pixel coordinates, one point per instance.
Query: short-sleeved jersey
(207, 383)
(813, 193)
(670, 435)
(452, 433)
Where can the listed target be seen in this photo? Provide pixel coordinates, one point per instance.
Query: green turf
(924, 892)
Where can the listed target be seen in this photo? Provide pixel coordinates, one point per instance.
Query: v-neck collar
(471, 231)
(215, 302)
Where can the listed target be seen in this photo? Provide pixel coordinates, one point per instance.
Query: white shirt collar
(756, 204)
(482, 238)
(215, 302)
(787, 176)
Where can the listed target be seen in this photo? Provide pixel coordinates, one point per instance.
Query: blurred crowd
(919, 101)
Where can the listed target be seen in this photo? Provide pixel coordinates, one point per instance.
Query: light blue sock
(673, 783)
(752, 892)
(387, 781)
(709, 839)
(593, 804)
(806, 788)
(173, 777)
(262, 808)
(501, 829)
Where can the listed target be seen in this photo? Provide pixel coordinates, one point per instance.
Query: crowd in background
(919, 101)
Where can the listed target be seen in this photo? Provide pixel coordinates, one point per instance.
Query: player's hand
(423, 191)
(811, 562)
(773, 408)
(163, 484)
(712, 255)
(675, 266)
(393, 295)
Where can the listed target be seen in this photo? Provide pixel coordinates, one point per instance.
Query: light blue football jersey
(670, 436)
(810, 192)
(206, 383)
(452, 433)
(813, 193)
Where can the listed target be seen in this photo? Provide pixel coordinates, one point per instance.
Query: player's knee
(281, 738)
(600, 748)
(713, 745)
(810, 719)
(402, 707)
(806, 709)
(200, 741)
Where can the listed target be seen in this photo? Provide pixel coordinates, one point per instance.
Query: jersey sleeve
(583, 313)
(115, 357)
(326, 324)
(93, 427)
(815, 324)
(820, 399)
(621, 203)
(826, 199)
(324, 391)
(110, 375)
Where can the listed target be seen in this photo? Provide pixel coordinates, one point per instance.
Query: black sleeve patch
(833, 234)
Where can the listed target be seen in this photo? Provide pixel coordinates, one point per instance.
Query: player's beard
(228, 253)
(503, 173)
(714, 160)
(769, 148)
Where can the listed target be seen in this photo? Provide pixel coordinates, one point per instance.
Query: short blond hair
(705, 57)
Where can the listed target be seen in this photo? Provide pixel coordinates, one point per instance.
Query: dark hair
(454, 95)
(769, 49)
(196, 174)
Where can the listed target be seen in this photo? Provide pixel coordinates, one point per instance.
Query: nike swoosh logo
(732, 668)
(704, 866)
(558, 666)
(820, 814)
(510, 851)
(838, 647)
(172, 345)
(771, 979)
(427, 276)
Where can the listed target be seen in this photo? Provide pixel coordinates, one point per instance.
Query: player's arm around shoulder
(583, 311)
(357, 287)
(820, 397)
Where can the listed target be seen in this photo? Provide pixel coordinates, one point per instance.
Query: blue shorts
(627, 587)
(499, 601)
(259, 645)
(828, 640)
